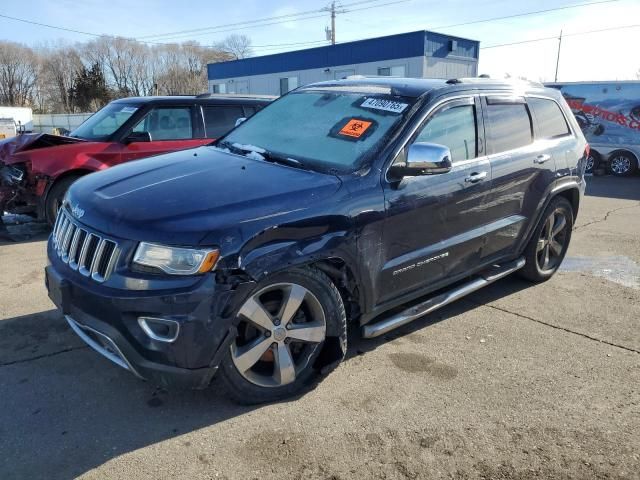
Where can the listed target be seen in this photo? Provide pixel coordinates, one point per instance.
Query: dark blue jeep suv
(363, 200)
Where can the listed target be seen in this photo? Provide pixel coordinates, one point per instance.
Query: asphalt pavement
(517, 381)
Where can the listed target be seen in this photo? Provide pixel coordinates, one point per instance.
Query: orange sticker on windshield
(355, 128)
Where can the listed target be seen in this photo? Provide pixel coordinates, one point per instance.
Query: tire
(55, 197)
(545, 251)
(622, 164)
(267, 361)
(593, 161)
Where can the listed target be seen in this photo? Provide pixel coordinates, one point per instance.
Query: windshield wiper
(262, 153)
(275, 158)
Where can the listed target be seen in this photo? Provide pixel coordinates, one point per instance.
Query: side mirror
(424, 159)
(135, 137)
(240, 120)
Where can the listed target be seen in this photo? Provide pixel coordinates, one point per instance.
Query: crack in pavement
(46, 355)
(557, 327)
(606, 216)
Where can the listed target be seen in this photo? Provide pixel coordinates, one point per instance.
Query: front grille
(90, 254)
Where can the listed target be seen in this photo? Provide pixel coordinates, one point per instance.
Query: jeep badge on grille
(77, 212)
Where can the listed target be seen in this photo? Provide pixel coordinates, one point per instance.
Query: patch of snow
(254, 156)
(250, 148)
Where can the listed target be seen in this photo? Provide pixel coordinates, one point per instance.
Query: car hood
(31, 141)
(182, 197)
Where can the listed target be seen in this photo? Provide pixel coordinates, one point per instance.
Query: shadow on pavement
(66, 410)
(624, 188)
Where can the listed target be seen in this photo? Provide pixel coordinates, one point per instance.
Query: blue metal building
(420, 54)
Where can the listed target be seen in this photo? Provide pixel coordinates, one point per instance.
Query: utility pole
(558, 58)
(333, 23)
(331, 32)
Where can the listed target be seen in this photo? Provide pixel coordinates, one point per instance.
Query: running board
(485, 278)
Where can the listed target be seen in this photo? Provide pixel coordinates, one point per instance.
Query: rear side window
(550, 121)
(509, 126)
(219, 120)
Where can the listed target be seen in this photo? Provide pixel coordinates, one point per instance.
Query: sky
(607, 55)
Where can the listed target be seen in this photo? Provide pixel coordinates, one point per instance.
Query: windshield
(325, 130)
(105, 122)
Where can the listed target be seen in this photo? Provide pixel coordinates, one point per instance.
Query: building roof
(404, 45)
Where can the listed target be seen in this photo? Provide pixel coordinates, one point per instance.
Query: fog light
(160, 329)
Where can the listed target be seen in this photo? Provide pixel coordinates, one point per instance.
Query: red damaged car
(37, 169)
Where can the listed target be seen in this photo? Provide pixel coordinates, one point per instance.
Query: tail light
(587, 151)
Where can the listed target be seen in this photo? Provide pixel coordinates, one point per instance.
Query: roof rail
(234, 95)
(485, 79)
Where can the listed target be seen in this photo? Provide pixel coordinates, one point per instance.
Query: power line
(285, 19)
(278, 22)
(563, 35)
(506, 17)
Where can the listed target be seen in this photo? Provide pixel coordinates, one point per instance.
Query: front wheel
(55, 197)
(548, 245)
(282, 328)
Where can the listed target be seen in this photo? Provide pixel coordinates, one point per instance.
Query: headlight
(176, 260)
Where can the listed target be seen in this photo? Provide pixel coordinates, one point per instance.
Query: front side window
(550, 122)
(329, 129)
(509, 126)
(171, 123)
(105, 122)
(218, 120)
(455, 128)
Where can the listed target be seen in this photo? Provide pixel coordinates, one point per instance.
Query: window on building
(509, 126)
(219, 88)
(218, 120)
(454, 128)
(167, 124)
(550, 121)
(397, 71)
(287, 84)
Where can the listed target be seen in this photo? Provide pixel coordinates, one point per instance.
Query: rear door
(171, 128)
(522, 170)
(434, 224)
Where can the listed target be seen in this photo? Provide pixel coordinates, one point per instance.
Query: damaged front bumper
(17, 194)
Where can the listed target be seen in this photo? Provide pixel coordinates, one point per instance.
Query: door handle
(540, 159)
(476, 177)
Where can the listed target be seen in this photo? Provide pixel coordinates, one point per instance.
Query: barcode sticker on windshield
(384, 104)
(128, 109)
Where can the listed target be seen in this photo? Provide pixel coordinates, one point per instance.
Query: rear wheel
(55, 197)
(593, 161)
(623, 164)
(548, 245)
(282, 328)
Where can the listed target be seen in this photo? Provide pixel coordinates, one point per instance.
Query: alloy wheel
(552, 241)
(620, 164)
(280, 329)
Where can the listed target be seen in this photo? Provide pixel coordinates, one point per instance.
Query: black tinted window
(510, 126)
(549, 119)
(219, 120)
(454, 128)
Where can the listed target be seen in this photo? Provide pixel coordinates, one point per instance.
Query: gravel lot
(516, 381)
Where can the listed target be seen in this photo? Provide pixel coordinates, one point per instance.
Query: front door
(171, 128)
(434, 223)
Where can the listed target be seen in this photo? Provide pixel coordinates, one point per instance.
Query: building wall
(269, 84)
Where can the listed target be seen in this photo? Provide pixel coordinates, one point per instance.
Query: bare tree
(58, 67)
(18, 73)
(236, 46)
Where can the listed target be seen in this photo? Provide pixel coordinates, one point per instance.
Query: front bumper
(107, 320)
